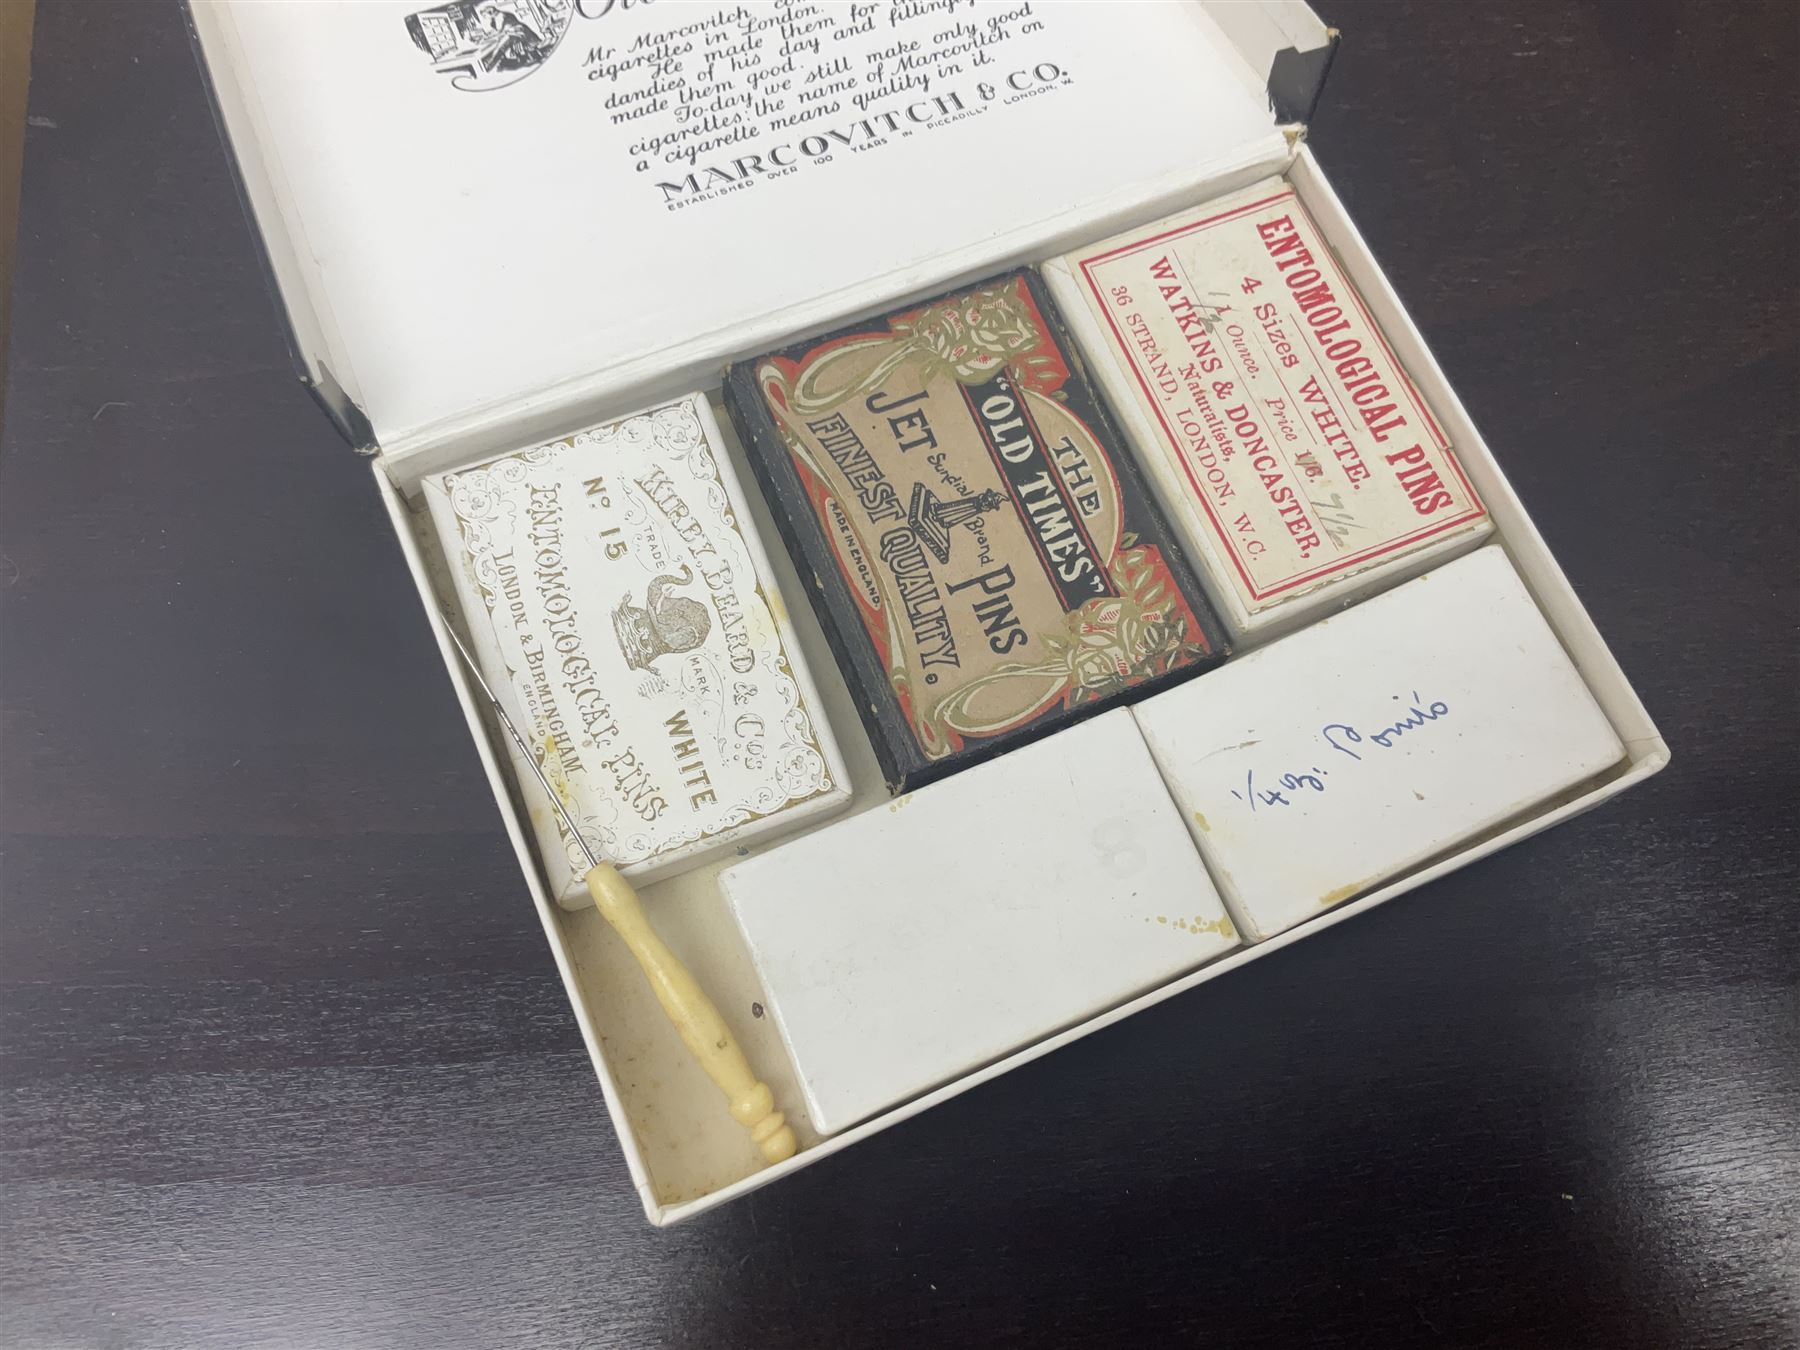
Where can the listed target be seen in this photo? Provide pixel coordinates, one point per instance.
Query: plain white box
(685, 1156)
(1335, 759)
(974, 916)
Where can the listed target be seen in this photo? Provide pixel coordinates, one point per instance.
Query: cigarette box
(617, 597)
(493, 226)
(1319, 767)
(1290, 444)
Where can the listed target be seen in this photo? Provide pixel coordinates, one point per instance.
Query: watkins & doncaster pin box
(1288, 440)
(495, 225)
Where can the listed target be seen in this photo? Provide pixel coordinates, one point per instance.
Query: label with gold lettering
(988, 564)
(615, 597)
(1292, 441)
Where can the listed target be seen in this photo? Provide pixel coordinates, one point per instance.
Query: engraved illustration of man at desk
(485, 44)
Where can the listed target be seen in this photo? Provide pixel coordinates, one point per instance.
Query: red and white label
(1301, 445)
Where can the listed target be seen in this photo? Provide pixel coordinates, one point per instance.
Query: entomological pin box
(507, 226)
(1288, 439)
(610, 583)
(949, 464)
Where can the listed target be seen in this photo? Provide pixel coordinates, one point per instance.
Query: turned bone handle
(702, 1029)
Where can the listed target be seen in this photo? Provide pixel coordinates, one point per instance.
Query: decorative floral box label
(986, 561)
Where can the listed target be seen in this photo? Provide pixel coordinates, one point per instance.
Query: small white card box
(475, 251)
(975, 916)
(1323, 765)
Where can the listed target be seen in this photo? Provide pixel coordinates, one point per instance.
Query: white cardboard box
(1066, 883)
(306, 116)
(1333, 760)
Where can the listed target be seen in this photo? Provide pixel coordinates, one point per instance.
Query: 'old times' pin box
(1048, 340)
(986, 559)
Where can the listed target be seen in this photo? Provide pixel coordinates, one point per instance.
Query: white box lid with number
(483, 211)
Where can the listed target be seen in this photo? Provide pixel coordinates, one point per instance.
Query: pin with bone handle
(702, 1029)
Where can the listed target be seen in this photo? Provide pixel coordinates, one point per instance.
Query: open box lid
(485, 214)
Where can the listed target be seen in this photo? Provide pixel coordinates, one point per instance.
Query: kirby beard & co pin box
(492, 226)
(609, 583)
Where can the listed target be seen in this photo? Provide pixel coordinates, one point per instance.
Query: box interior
(690, 1154)
(684, 1151)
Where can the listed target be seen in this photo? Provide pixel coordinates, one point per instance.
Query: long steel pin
(702, 1029)
(562, 812)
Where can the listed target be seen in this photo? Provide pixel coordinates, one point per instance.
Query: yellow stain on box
(553, 771)
(1339, 893)
(1200, 820)
(777, 607)
(1202, 925)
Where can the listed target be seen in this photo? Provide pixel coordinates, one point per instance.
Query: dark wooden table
(287, 1064)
